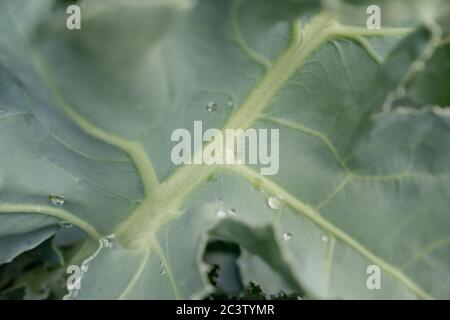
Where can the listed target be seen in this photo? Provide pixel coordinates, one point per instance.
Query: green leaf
(88, 118)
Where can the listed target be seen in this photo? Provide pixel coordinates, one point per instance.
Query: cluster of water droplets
(213, 106)
(58, 201)
(222, 213)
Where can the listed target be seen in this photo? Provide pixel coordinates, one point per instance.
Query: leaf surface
(361, 182)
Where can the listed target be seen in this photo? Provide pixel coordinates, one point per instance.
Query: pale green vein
(319, 220)
(334, 193)
(136, 276)
(168, 269)
(75, 150)
(15, 115)
(359, 36)
(91, 182)
(435, 245)
(371, 52)
(352, 178)
(332, 148)
(134, 150)
(303, 45)
(51, 211)
(313, 133)
(388, 237)
(256, 57)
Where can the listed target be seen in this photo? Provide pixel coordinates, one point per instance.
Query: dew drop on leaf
(274, 202)
(230, 104)
(221, 214)
(287, 236)
(325, 238)
(65, 224)
(56, 200)
(162, 269)
(211, 107)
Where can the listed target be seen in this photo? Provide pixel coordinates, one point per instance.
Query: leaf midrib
(187, 178)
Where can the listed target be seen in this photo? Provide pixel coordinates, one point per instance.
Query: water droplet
(325, 238)
(56, 200)
(287, 236)
(230, 104)
(221, 214)
(162, 269)
(211, 107)
(66, 224)
(108, 241)
(274, 202)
